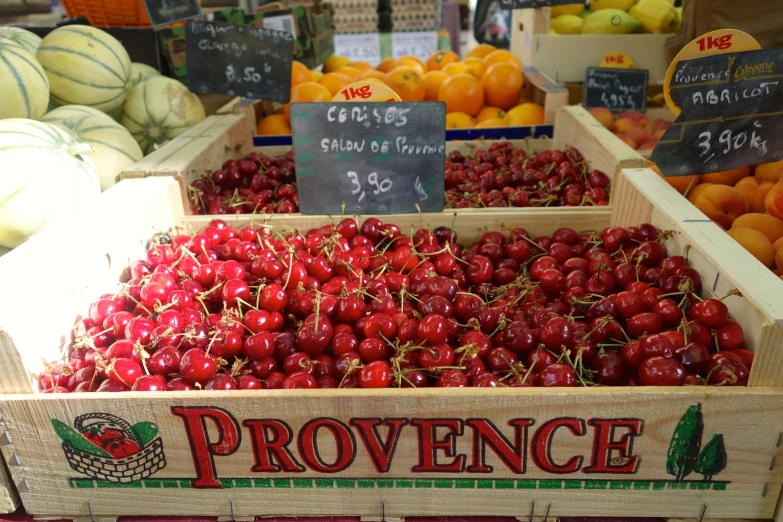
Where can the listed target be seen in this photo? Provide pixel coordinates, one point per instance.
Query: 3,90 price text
(729, 140)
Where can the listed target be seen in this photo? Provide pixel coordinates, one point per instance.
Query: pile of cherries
(255, 184)
(504, 176)
(373, 306)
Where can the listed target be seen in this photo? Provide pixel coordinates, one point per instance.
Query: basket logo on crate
(278, 455)
(107, 448)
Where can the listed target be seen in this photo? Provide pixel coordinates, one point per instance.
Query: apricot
(770, 171)
(727, 177)
(659, 124)
(657, 135)
(720, 203)
(639, 135)
(623, 125)
(627, 140)
(755, 190)
(777, 244)
(773, 201)
(754, 242)
(604, 117)
(638, 117)
(680, 183)
(768, 225)
(650, 145)
(697, 190)
(779, 258)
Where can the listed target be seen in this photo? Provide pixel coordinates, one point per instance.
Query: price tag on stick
(375, 157)
(616, 89)
(239, 60)
(165, 12)
(732, 113)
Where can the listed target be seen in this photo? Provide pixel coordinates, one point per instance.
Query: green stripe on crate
(417, 483)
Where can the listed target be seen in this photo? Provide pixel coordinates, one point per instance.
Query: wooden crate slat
(9, 498)
(748, 419)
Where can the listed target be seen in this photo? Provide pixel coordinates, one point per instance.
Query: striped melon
(85, 66)
(115, 148)
(140, 72)
(23, 37)
(159, 109)
(45, 175)
(24, 89)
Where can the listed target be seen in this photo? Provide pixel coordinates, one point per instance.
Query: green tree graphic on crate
(712, 459)
(684, 456)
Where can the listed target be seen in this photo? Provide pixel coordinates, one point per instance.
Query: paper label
(361, 47)
(420, 44)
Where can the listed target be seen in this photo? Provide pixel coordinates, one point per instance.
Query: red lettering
(352, 92)
(308, 445)
(485, 434)
(709, 42)
(604, 444)
(270, 439)
(381, 452)
(204, 450)
(429, 445)
(541, 447)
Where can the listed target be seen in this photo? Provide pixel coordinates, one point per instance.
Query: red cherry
(557, 375)
(376, 374)
(661, 371)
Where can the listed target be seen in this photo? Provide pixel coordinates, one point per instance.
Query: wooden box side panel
(107, 237)
(604, 151)
(593, 453)
(723, 265)
(9, 498)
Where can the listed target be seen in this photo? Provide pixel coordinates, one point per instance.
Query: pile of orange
(746, 202)
(483, 90)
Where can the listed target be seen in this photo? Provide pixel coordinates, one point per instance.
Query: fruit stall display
(196, 157)
(642, 450)
(640, 33)
(746, 202)
(78, 113)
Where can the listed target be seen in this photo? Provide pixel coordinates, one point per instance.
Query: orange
(459, 120)
(335, 81)
(299, 73)
(432, 82)
(490, 113)
(492, 122)
(352, 72)
(335, 62)
(307, 92)
(412, 61)
(407, 83)
(502, 84)
(274, 125)
(387, 64)
(457, 68)
(525, 114)
(362, 66)
(316, 75)
(374, 75)
(440, 59)
(462, 93)
(476, 66)
(501, 56)
(481, 50)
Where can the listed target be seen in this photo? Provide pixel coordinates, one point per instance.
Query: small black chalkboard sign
(732, 113)
(239, 60)
(376, 157)
(616, 89)
(165, 12)
(529, 4)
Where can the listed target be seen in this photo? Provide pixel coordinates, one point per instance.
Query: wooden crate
(438, 452)
(564, 57)
(228, 138)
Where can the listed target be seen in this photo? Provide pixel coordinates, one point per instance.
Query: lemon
(567, 24)
(611, 21)
(570, 9)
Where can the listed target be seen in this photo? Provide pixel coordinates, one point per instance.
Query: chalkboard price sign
(529, 4)
(616, 89)
(376, 158)
(239, 60)
(165, 12)
(732, 113)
